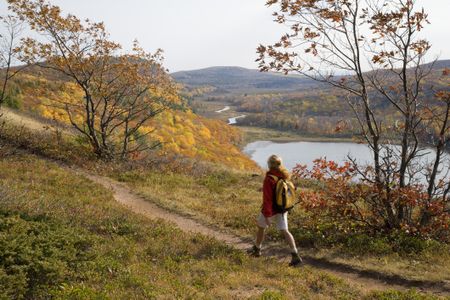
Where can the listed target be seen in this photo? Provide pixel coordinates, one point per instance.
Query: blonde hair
(275, 163)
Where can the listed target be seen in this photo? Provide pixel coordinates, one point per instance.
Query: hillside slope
(181, 132)
(109, 253)
(64, 237)
(233, 79)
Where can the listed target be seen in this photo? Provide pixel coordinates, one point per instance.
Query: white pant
(279, 219)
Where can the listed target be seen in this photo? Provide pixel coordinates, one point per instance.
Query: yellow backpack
(284, 198)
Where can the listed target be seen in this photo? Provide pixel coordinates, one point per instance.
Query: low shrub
(49, 143)
(353, 204)
(217, 181)
(13, 97)
(271, 295)
(37, 254)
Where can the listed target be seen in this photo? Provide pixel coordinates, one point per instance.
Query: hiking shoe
(296, 260)
(254, 251)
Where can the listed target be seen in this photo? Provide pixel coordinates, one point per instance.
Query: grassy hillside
(231, 201)
(64, 237)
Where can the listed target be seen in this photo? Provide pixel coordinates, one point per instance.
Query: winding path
(365, 280)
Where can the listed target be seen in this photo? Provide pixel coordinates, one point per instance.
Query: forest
(308, 109)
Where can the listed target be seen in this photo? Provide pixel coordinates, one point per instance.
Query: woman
(268, 214)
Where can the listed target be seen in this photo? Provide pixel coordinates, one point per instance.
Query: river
(223, 109)
(233, 121)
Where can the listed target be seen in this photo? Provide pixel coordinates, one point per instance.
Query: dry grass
(429, 266)
(225, 199)
(231, 201)
(132, 257)
(150, 259)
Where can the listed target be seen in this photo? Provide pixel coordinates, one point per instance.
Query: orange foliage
(191, 135)
(180, 132)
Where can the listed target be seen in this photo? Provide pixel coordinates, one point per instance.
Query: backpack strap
(274, 177)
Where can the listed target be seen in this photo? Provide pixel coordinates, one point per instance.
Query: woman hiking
(268, 213)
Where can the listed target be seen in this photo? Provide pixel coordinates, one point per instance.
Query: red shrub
(352, 202)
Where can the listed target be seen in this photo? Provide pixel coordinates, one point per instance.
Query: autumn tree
(9, 40)
(121, 91)
(376, 44)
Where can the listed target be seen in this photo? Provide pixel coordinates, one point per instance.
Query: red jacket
(268, 193)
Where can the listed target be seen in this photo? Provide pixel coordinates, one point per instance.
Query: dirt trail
(139, 205)
(365, 280)
(10, 116)
(21, 119)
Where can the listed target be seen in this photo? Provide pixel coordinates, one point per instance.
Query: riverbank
(253, 134)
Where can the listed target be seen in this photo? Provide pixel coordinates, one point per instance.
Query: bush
(46, 143)
(37, 255)
(271, 295)
(407, 244)
(217, 181)
(355, 205)
(13, 98)
(69, 292)
(365, 244)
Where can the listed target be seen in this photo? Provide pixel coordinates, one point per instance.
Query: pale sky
(202, 33)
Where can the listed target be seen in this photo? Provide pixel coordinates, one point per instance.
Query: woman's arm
(268, 187)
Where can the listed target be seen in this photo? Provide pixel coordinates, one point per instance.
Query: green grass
(65, 237)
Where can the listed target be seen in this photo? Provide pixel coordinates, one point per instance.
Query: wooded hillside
(179, 130)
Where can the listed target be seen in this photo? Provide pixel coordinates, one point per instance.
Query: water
(223, 109)
(306, 152)
(232, 121)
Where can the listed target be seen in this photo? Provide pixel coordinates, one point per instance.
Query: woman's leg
(262, 224)
(290, 240)
(256, 249)
(259, 237)
(296, 259)
(282, 225)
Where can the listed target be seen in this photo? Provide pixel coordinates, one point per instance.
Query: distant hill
(293, 103)
(237, 79)
(242, 79)
(441, 64)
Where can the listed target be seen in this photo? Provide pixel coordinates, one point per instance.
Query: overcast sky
(202, 33)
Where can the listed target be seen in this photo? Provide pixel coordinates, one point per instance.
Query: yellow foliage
(146, 129)
(201, 138)
(205, 133)
(180, 132)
